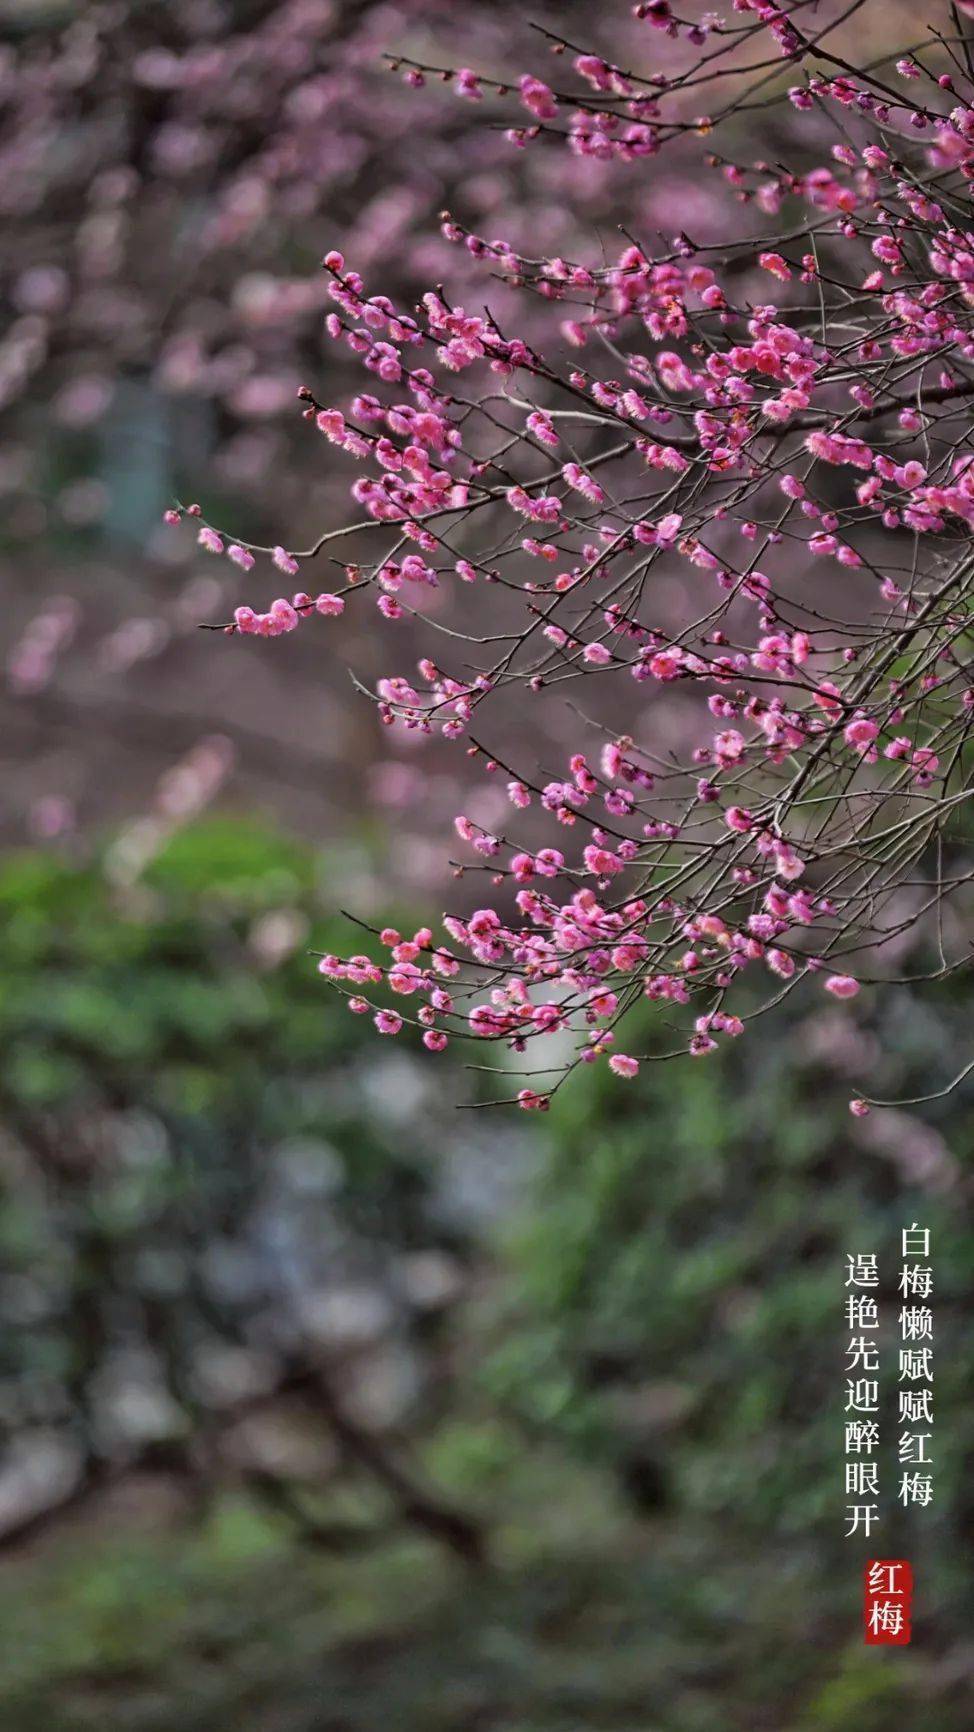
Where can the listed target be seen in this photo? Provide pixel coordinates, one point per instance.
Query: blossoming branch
(781, 421)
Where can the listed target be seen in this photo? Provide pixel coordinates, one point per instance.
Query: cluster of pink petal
(708, 430)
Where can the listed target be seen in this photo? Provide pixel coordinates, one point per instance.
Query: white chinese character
(916, 1323)
(862, 1395)
(862, 1352)
(861, 1312)
(916, 1364)
(861, 1436)
(885, 1578)
(916, 1488)
(886, 1615)
(862, 1478)
(863, 1269)
(861, 1515)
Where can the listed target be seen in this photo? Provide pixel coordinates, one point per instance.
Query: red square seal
(887, 1602)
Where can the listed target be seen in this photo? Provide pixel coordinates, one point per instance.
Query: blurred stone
(132, 1405)
(346, 1317)
(40, 1470)
(280, 1441)
(431, 1279)
(382, 1386)
(224, 1375)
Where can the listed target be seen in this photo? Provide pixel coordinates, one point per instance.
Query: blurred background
(329, 1401)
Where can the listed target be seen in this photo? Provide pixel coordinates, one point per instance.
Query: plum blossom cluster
(733, 494)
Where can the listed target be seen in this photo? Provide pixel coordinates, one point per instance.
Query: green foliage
(645, 1397)
(201, 1138)
(193, 1001)
(677, 1317)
